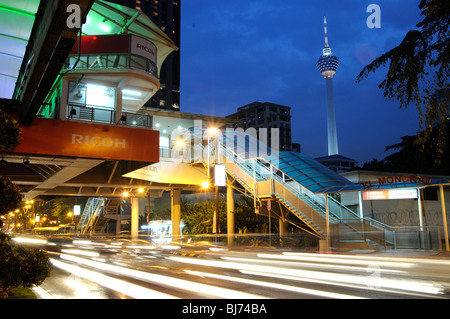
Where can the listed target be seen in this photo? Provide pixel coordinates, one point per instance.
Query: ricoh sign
(98, 141)
(144, 48)
(89, 140)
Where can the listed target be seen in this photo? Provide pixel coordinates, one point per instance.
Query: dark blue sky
(235, 52)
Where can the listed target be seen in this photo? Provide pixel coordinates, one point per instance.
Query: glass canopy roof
(308, 172)
(319, 179)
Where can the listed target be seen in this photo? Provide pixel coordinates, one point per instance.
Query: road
(122, 270)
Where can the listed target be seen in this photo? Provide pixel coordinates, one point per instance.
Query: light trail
(303, 264)
(43, 294)
(274, 285)
(29, 240)
(349, 260)
(86, 253)
(367, 282)
(402, 260)
(166, 280)
(129, 289)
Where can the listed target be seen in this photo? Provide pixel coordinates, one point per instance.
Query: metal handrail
(149, 67)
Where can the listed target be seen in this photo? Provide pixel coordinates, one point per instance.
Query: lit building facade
(110, 73)
(167, 16)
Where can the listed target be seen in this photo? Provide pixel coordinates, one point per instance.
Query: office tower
(328, 64)
(268, 115)
(166, 15)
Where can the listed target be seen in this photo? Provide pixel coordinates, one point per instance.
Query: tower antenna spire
(325, 30)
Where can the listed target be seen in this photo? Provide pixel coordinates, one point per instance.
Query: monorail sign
(395, 181)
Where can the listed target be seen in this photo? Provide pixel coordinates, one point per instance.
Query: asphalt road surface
(88, 269)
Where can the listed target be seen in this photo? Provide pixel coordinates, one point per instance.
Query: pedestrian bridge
(288, 184)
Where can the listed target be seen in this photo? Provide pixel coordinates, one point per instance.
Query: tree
(21, 266)
(18, 265)
(60, 208)
(10, 195)
(198, 216)
(9, 133)
(419, 70)
(246, 221)
(413, 158)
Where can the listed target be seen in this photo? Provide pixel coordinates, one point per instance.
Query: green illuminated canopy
(16, 22)
(108, 18)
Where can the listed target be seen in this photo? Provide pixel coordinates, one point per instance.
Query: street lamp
(70, 214)
(180, 143)
(205, 184)
(212, 132)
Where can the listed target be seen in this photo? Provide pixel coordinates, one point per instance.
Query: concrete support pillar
(176, 213)
(118, 225)
(134, 218)
(325, 244)
(230, 214)
(444, 217)
(283, 225)
(361, 211)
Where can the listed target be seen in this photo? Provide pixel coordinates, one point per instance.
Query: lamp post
(212, 132)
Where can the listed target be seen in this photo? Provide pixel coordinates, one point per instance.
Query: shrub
(21, 266)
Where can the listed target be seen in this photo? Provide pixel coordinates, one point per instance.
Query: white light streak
(26, 240)
(303, 264)
(166, 280)
(348, 260)
(274, 285)
(42, 293)
(132, 290)
(365, 282)
(81, 252)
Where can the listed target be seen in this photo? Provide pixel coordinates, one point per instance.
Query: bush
(21, 266)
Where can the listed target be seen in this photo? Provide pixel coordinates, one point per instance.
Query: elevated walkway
(300, 184)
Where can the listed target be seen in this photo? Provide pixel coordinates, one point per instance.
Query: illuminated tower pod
(328, 64)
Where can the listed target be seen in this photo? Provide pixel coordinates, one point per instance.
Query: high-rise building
(268, 115)
(166, 14)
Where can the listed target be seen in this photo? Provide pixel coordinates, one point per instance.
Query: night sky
(235, 52)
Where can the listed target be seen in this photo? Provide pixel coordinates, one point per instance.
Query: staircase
(263, 179)
(90, 213)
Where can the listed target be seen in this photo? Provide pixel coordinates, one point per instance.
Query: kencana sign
(397, 179)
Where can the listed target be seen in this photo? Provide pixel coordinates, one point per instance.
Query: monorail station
(78, 97)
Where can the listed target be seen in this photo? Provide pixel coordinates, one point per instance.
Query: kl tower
(328, 64)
